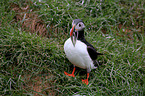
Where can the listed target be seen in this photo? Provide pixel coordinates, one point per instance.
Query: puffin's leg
(72, 74)
(86, 80)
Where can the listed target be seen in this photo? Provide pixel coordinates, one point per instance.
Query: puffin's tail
(96, 63)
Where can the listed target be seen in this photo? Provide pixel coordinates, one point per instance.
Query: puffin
(79, 52)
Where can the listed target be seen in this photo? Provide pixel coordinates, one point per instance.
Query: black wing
(91, 50)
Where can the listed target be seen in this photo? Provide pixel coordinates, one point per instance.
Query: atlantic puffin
(78, 51)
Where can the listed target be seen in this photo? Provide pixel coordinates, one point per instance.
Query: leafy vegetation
(32, 34)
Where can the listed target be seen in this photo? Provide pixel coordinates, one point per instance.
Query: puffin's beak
(73, 36)
(72, 30)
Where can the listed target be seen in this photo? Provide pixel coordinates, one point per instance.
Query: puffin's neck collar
(80, 35)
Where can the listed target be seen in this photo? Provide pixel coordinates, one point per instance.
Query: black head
(78, 24)
(76, 21)
(77, 30)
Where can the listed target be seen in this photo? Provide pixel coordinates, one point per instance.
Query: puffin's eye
(79, 25)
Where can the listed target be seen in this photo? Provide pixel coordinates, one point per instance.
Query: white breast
(78, 55)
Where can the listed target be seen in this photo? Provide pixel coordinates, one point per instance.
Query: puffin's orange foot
(69, 74)
(85, 81)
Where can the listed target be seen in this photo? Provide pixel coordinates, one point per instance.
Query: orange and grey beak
(73, 35)
(72, 30)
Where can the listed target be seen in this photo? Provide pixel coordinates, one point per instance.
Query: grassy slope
(31, 64)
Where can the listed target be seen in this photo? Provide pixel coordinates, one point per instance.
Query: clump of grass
(24, 54)
(97, 15)
(31, 64)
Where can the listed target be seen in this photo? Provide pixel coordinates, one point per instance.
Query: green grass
(33, 65)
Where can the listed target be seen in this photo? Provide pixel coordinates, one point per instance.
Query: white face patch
(80, 26)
